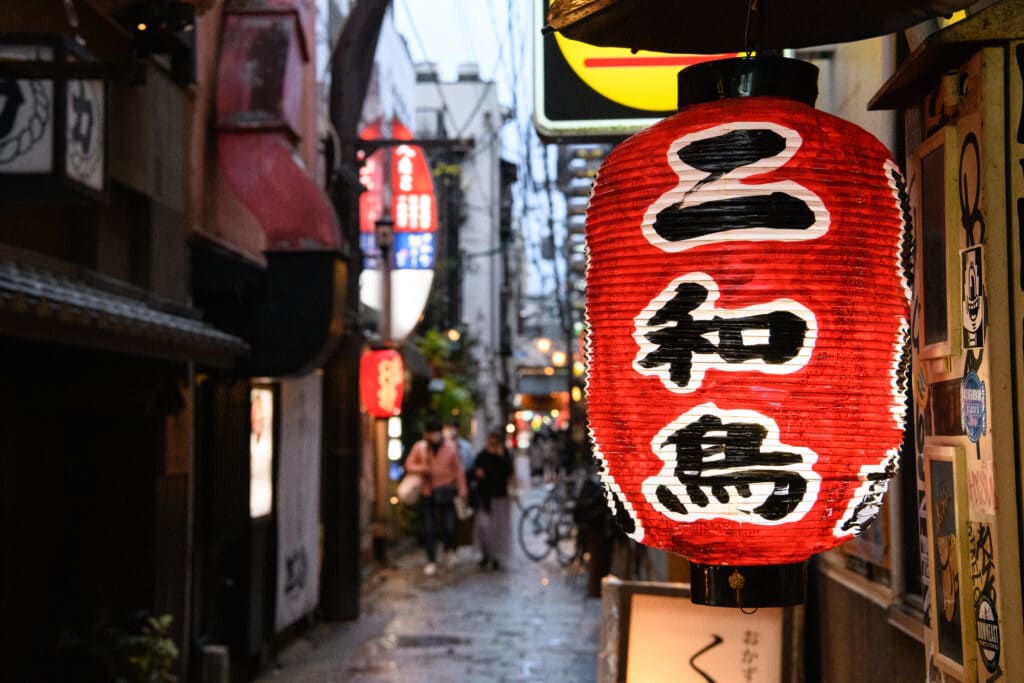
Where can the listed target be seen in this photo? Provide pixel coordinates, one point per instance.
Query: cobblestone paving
(527, 622)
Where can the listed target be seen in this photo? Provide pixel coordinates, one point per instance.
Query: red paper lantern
(382, 382)
(747, 314)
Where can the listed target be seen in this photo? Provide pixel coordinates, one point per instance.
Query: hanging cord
(752, 9)
(72, 15)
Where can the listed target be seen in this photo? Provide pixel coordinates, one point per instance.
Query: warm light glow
(555, 413)
(510, 428)
(577, 394)
(394, 500)
(455, 412)
(545, 581)
(395, 427)
(558, 358)
(261, 452)
(141, 27)
(536, 422)
(454, 335)
(549, 371)
(578, 368)
(543, 344)
(394, 450)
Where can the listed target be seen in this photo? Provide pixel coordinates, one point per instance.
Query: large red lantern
(382, 382)
(747, 318)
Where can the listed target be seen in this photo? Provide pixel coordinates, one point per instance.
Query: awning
(726, 26)
(83, 309)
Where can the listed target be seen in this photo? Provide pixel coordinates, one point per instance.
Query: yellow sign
(642, 80)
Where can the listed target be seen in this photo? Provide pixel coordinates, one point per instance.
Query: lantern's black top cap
(748, 77)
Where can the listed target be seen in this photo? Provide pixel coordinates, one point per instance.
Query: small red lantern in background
(382, 382)
(747, 313)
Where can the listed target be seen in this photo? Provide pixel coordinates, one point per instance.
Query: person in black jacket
(492, 470)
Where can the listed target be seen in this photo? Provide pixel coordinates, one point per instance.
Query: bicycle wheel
(533, 533)
(565, 538)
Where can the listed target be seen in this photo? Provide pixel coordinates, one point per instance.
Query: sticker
(972, 406)
(919, 376)
(988, 633)
(972, 298)
(981, 487)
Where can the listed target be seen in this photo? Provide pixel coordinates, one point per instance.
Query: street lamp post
(384, 232)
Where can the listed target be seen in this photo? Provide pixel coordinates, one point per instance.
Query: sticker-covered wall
(964, 355)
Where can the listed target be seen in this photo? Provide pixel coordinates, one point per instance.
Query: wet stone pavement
(526, 622)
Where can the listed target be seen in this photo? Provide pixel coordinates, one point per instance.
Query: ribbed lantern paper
(747, 315)
(382, 382)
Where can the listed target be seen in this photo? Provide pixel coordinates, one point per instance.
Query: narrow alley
(526, 622)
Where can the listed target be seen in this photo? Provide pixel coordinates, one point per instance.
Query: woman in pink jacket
(437, 460)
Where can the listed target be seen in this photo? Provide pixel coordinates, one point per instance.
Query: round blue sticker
(972, 406)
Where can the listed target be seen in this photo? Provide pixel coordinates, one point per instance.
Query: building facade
(933, 589)
(173, 291)
(478, 278)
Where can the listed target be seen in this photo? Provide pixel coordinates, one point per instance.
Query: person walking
(437, 461)
(492, 471)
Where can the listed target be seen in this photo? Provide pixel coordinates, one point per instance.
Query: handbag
(409, 488)
(462, 509)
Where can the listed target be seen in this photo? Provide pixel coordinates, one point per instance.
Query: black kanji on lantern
(718, 156)
(676, 344)
(12, 98)
(721, 460)
(82, 108)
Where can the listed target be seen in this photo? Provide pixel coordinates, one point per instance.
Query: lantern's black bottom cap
(748, 77)
(774, 585)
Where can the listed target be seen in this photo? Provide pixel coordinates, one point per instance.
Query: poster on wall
(298, 500)
(951, 572)
(261, 452)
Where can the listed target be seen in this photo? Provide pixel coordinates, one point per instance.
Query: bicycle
(541, 531)
(550, 526)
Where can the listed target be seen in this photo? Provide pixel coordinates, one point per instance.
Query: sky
(453, 32)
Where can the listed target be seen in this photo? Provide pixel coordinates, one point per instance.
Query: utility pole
(341, 578)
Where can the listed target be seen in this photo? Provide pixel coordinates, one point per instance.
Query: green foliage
(434, 347)
(453, 400)
(148, 655)
(142, 652)
(455, 364)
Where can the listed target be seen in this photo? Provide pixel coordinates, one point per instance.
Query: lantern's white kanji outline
(613, 491)
(695, 188)
(708, 311)
(738, 509)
